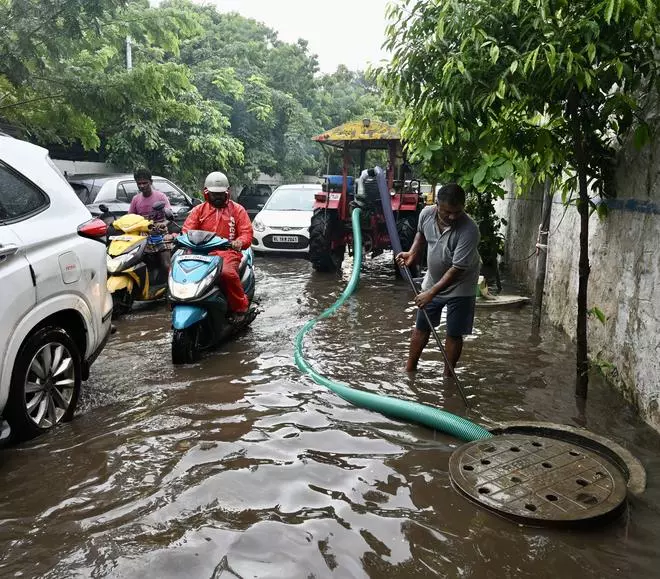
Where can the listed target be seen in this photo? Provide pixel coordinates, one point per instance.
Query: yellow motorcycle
(134, 274)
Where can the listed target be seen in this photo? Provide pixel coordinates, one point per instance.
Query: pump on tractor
(330, 230)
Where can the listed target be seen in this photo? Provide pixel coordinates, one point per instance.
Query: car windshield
(291, 199)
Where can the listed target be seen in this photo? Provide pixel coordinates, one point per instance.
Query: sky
(348, 32)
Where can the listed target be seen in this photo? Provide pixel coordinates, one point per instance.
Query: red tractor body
(330, 230)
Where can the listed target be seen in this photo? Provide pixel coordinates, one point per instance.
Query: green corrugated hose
(392, 407)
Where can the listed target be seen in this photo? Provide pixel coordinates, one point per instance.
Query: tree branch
(27, 101)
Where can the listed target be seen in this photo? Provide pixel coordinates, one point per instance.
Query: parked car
(253, 198)
(283, 223)
(116, 191)
(55, 315)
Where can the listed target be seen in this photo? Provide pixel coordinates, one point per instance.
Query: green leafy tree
(207, 90)
(152, 114)
(35, 38)
(265, 87)
(552, 87)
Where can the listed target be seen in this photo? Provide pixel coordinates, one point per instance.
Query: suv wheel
(45, 383)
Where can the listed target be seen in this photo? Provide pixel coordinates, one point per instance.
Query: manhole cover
(538, 480)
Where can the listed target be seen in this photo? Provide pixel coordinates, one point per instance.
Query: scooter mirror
(159, 206)
(103, 208)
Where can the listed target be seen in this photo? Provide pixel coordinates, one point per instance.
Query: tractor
(330, 230)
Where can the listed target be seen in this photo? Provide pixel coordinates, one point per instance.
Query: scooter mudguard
(184, 316)
(120, 282)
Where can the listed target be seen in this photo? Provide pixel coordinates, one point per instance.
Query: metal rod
(408, 276)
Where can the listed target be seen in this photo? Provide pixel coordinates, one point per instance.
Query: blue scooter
(200, 311)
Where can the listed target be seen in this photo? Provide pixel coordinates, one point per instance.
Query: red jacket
(231, 222)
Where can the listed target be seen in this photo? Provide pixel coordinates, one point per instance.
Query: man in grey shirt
(453, 272)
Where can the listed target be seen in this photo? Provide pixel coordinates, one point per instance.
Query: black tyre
(45, 383)
(325, 226)
(122, 303)
(407, 229)
(185, 349)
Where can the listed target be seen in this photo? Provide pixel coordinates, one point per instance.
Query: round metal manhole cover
(538, 480)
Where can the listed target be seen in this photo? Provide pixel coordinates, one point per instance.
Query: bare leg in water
(453, 349)
(418, 341)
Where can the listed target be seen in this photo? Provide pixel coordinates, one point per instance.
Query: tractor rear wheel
(406, 227)
(325, 226)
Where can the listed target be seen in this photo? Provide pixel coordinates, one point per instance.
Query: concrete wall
(625, 273)
(523, 216)
(82, 167)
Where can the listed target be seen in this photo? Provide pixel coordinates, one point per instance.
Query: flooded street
(240, 466)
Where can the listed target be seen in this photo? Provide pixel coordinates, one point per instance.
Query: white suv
(55, 309)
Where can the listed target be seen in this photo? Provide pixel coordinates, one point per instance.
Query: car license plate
(285, 238)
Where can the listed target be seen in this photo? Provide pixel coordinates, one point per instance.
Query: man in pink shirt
(143, 204)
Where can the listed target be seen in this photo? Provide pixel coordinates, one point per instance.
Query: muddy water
(241, 467)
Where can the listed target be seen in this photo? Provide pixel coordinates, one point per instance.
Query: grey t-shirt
(456, 246)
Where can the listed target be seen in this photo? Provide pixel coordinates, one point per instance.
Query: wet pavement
(239, 466)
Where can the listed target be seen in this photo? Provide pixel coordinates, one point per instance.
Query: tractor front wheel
(324, 227)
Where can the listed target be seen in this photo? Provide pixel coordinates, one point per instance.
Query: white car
(283, 223)
(55, 315)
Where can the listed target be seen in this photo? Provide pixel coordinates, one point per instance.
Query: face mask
(218, 200)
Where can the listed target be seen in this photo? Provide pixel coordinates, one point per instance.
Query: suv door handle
(9, 249)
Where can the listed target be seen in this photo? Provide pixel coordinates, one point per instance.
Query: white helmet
(216, 182)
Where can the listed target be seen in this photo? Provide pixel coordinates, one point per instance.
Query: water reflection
(240, 467)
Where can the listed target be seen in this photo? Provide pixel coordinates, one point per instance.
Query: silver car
(116, 191)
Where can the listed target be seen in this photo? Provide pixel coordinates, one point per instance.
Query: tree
(207, 90)
(264, 85)
(35, 36)
(151, 115)
(551, 87)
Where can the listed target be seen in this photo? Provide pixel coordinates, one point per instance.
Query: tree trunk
(582, 378)
(577, 130)
(541, 260)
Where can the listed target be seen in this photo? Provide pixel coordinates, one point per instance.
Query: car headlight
(120, 262)
(258, 225)
(189, 291)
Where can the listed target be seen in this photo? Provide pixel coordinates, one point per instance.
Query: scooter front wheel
(185, 348)
(122, 303)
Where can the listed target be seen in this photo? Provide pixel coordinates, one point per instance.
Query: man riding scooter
(143, 204)
(227, 219)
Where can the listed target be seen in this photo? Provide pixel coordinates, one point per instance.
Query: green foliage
(479, 205)
(207, 90)
(597, 313)
(605, 367)
(551, 85)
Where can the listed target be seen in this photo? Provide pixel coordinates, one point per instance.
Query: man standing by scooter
(143, 204)
(220, 215)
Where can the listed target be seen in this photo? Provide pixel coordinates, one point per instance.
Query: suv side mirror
(196, 202)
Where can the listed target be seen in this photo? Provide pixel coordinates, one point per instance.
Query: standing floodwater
(239, 466)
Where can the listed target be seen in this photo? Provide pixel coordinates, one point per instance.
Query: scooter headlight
(189, 291)
(120, 262)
